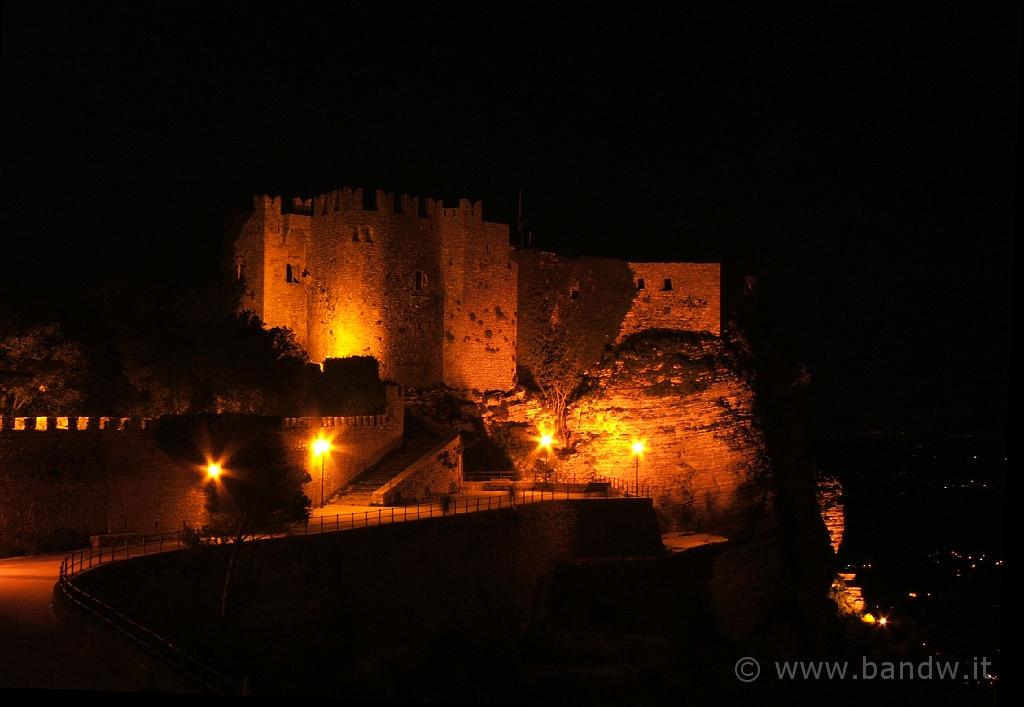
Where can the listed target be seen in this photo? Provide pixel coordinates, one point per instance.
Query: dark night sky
(866, 157)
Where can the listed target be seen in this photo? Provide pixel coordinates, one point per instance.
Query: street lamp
(213, 471)
(545, 442)
(320, 448)
(638, 450)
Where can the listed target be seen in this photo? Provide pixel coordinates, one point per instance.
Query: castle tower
(429, 291)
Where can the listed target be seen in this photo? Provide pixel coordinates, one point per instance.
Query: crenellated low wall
(73, 423)
(357, 443)
(59, 486)
(63, 479)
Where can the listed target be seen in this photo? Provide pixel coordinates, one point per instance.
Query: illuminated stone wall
(428, 291)
(680, 296)
(63, 479)
(356, 444)
(481, 302)
(694, 415)
(59, 486)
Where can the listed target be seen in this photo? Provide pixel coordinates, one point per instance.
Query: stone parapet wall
(354, 449)
(58, 488)
(65, 478)
(73, 423)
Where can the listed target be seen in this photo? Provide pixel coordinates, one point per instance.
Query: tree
(570, 311)
(257, 488)
(39, 371)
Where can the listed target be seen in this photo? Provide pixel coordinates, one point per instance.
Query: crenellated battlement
(73, 423)
(148, 424)
(334, 421)
(351, 203)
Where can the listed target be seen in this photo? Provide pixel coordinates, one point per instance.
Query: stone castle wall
(58, 486)
(356, 444)
(680, 296)
(428, 291)
(63, 479)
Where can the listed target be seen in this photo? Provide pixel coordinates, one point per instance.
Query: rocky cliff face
(681, 395)
(724, 454)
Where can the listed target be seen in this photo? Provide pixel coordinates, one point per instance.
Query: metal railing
(203, 675)
(626, 487)
(197, 671)
(490, 475)
(401, 514)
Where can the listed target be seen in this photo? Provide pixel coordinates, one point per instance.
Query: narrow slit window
(288, 275)
(368, 235)
(641, 284)
(355, 235)
(419, 281)
(668, 285)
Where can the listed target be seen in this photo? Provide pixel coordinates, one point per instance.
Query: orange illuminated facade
(427, 290)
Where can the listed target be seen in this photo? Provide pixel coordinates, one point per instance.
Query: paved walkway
(35, 652)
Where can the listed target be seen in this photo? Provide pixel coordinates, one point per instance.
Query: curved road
(35, 651)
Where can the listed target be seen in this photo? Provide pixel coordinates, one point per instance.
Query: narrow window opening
(641, 284)
(368, 235)
(355, 234)
(419, 281)
(668, 285)
(288, 275)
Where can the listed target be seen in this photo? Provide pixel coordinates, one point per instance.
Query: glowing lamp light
(868, 618)
(883, 621)
(546, 440)
(321, 447)
(213, 471)
(639, 447)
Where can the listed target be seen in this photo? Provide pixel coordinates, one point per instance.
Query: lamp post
(638, 450)
(320, 447)
(545, 442)
(213, 471)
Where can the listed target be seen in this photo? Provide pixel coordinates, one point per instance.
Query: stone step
(416, 442)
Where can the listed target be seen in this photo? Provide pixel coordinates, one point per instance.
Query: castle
(431, 292)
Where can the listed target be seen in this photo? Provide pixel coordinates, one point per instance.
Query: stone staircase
(416, 442)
